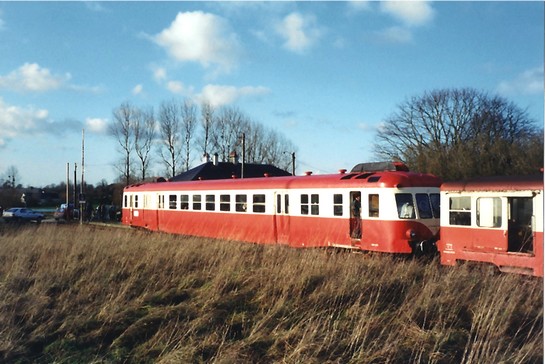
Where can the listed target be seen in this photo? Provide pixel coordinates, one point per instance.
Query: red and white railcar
(496, 220)
(399, 210)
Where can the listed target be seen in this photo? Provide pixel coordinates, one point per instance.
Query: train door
(282, 218)
(520, 223)
(131, 206)
(355, 215)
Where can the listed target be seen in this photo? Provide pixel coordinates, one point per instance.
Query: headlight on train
(411, 234)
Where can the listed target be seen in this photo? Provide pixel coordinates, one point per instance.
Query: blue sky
(326, 74)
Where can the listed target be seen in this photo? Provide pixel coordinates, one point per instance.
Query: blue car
(20, 214)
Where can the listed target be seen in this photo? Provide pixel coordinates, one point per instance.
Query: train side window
(135, 201)
(304, 204)
(373, 205)
(424, 206)
(278, 204)
(286, 204)
(337, 205)
(184, 202)
(314, 204)
(435, 204)
(240, 203)
(161, 202)
(259, 203)
(489, 212)
(172, 201)
(126, 201)
(210, 202)
(197, 202)
(460, 210)
(405, 206)
(225, 202)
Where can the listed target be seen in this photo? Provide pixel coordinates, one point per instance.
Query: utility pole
(67, 185)
(243, 155)
(75, 186)
(81, 188)
(293, 164)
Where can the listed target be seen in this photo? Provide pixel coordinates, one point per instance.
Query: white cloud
(137, 89)
(528, 82)
(2, 23)
(32, 77)
(15, 121)
(159, 74)
(96, 125)
(300, 32)
(412, 13)
(395, 35)
(175, 87)
(219, 95)
(359, 5)
(201, 37)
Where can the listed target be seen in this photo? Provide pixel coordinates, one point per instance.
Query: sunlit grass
(81, 294)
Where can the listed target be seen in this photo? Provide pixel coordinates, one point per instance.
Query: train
(376, 207)
(497, 220)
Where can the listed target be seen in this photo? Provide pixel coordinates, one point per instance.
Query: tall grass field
(83, 294)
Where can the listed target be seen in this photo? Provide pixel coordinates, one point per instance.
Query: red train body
(399, 211)
(496, 220)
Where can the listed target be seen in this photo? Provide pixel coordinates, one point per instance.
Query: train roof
(340, 180)
(498, 183)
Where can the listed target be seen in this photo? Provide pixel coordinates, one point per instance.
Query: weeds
(79, 294)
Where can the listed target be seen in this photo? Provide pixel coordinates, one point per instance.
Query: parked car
(66, 212)
(18, 214)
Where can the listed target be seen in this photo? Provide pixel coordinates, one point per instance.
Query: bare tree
(144, 134)
(461, 133)
(207, 121)
(189, 122)
(123, 131)
(12, 176)
(170, 132)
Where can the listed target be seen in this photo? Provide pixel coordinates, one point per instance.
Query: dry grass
(79, 294)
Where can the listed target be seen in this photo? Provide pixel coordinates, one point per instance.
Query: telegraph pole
(67, 185)
(243, 155)
(81, 188)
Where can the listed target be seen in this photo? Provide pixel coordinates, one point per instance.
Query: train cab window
(424, 206)
(259, 203)
(314, 204)
(460, 210)
(225, 202)
(210, 202)
(197, 202)
(373, 179)
(405, 205)
(373, 205)
(240, 203)
(184, 202)
(337, 205)
(172, 201)
(489, 212)
(304, 204)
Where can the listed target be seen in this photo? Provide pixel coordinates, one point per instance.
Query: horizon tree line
(177, 132)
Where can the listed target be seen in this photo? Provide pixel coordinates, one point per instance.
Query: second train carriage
(498, 220)
(398, 210)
